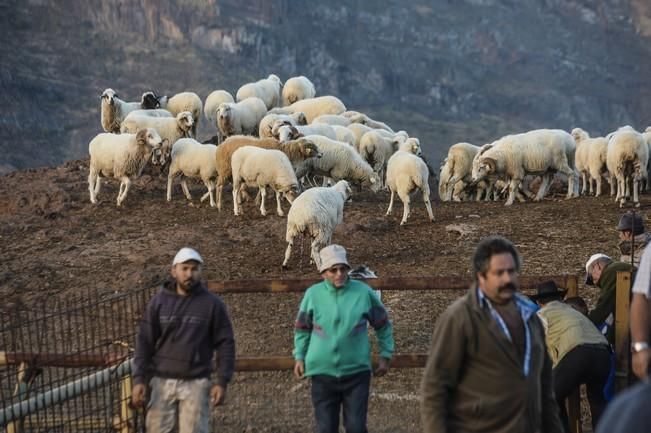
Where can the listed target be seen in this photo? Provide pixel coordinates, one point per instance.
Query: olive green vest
(565, 329)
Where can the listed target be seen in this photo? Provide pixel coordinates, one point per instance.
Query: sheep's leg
(170, 180)
(186, 190)
(210, 184)
(93, 185)
(428, 204)
(513, 186)
(288, 251)
(584, 180)
(636, 190)
(236, 198)
(391, 202)
(319, 242)
(263, 196)
(611, 183)
(598, 186)
(126, 182)
(405, 206)
(542, 190)
(219, 189)
(279, 209)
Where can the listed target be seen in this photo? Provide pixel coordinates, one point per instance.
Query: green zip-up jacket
(607, 294)
(331, 334)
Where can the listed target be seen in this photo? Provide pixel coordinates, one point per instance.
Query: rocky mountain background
(446, 71)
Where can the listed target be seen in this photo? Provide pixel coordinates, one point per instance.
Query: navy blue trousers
(330, 394)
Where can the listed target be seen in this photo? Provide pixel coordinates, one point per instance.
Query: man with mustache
(488, 368)
(184, 324)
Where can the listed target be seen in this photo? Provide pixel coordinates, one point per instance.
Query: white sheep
(267, 89)
(457, 168)
(627, 158)
(184, 101)
(121, 156)
(157, 112)
(317, 212)
(358, 131)
(213, 101)
(284, 132)
(169, 128)
(344, 134)
(367, 120)
(314, 107)
(339, 161)
(377, 146)
(114, 110)
(406, 172)
(537, 152)
(268, 121)
(590, 160)
(235, 118)
(337, 119)
(193, 159)
(296, 89)
(257, 167)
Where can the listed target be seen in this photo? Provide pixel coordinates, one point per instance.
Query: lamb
(339, 162)
(213, 101)
(590, 160)
(184, 101)
(267, 89)
(297, 89)
(268, 121)
(193, 159)
(315, 107)
(368, 121)
(317, 212)
(377, 146)
(406, 172)
(121, 157)
(457, 168)
(296, 150)
(169, 128)
(541, 151)
(627, 158)
(358, 131)
(253, 166)
(114, 110)
(235, 118)
(284, 132)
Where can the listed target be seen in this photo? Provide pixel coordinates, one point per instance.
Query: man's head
(594, 267)
(630, 224)
(334, 265)
(578, 303)
(496, 263)
(547, 292)
(186, 268)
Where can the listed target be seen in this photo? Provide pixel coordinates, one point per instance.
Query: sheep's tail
(444, 178)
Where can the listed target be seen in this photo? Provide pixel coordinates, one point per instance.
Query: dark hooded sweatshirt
(178, 336)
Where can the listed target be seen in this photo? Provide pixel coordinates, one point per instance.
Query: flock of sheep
(269, 136)
(507, 164)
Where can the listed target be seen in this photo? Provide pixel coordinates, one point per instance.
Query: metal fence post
(622, 352)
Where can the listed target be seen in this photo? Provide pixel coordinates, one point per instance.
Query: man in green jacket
(488, 369)
(601, 271)
(331, 343)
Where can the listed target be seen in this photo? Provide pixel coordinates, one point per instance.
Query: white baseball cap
(593, 258)
(332, 255)
(186, 254)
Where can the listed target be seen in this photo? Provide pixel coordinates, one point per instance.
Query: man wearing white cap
(331, 343)
(184, 324)
(601, 271)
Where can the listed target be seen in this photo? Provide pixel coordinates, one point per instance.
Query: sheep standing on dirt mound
(184, 101)
(406, 172)
(315, 107)
(236, 118)
(193, 159)
(267, 89)
(297, 89)
(256, 167)
(539, 152)
(377, 146)
(457, 168)
(121, 156)
(114, 110)
(317, 212)
(267, 123)
(627, 158)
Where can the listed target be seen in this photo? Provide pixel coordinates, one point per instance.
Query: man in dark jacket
(184, 324)
(488, 369)
(601, 271)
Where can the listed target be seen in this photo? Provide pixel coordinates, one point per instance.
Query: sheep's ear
(141, 137)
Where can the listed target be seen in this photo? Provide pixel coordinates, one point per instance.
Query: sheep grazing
(590, 160)
(193, 159)
(181, 102)
(457, 168)
(114, 110)
(240, 117)
(627, 158)
(367, 120)
(339, 162)
(121, 157)
(406, 172)
(296, 89)
(315, 107)
(284, 132)
(169, 128)
(266, 124)
(358, 131)
(377, 146)
(296, 150)
(267, 89)
(317, 212)
(540, 152)
(256, 167)
(213, 101)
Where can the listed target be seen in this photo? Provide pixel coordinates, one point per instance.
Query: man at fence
(488, 368)
(331, 343)
(633, 238)
(580, 353)
(182, 327)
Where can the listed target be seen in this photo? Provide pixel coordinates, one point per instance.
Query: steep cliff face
(445, 71)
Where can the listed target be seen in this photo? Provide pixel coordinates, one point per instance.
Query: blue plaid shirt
(526, 309)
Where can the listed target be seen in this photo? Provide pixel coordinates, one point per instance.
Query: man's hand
(641, 363)
(217, 395)
(138, 395)
(382, 367)
(299, 369)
